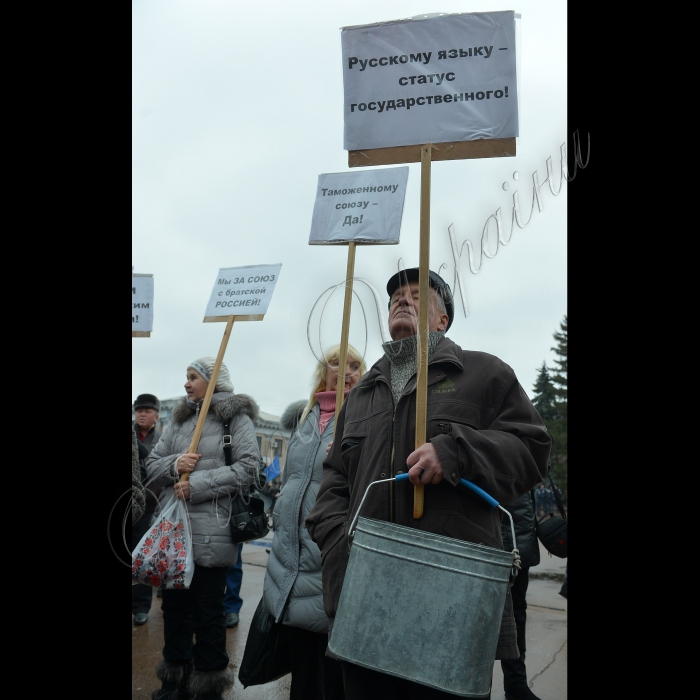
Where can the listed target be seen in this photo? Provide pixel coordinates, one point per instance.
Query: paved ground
(546, 636)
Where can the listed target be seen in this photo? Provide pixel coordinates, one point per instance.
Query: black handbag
(249, 520)
(551, 529)
(266, 654)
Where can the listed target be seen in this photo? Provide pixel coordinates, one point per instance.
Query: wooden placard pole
(423, 295)
(342, 359)
(210, 392)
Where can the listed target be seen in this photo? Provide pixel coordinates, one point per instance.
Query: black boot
(515, 680)
(210, 685)
(174, 679)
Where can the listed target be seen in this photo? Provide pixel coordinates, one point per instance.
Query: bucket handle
(476, 489)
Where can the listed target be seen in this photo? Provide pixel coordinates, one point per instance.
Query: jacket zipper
(308, 476)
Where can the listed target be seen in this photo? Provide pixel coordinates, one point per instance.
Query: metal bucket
(423, 607)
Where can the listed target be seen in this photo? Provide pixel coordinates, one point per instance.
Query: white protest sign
(365, 207)
(243, 292)
(141, 305)
(434, 80)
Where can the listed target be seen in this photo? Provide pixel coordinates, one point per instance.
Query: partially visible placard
(141, 305)
(244, 292)
(430, 80)
(364, 207)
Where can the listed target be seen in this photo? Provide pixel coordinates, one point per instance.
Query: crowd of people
(481, 426)
(545, 499)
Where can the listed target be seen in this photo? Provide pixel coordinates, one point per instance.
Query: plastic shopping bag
(163, 558)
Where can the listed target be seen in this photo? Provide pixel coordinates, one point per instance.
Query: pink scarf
(326, 402)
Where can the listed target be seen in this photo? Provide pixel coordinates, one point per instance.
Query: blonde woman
(292, 591)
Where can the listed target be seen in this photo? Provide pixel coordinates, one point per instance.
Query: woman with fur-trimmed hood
(199, 670)
(292, 591)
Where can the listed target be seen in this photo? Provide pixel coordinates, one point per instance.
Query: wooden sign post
(344, 333)
(236, 287)
(423, 295)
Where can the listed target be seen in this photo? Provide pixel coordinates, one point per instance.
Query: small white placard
(430, 80)
(242, 291)
(364, 206)
(141, 303)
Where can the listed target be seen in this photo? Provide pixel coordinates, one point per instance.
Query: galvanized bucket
(423, 607)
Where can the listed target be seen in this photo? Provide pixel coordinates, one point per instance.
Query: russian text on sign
(253, 282)
(377, 215)
(475, 98)
(141, 304)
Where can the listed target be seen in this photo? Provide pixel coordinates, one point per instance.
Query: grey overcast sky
(236, 110)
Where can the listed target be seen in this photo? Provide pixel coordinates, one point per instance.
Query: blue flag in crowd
(273, 469)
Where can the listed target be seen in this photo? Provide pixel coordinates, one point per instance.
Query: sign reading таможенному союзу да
(434, 80)
(364, 207)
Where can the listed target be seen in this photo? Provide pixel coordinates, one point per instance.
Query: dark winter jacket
(152, 437)
(212, 483)
(151, 500)
(138, 498)
(523, 514)
(145, 447)
(483, 427)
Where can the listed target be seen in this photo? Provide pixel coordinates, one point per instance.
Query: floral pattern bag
(164, 558)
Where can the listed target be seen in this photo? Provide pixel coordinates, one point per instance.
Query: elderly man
(146, 409)
(480, 426)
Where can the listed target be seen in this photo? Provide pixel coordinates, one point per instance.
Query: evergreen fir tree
(557, 425)
(545, 396)
(560, 377)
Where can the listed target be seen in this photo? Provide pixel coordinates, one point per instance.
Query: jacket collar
(446, 351)
(224, 405)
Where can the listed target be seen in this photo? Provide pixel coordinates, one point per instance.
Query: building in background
(272, 438)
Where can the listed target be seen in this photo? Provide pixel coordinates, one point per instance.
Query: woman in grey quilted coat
(292, 591)
(199, 670)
